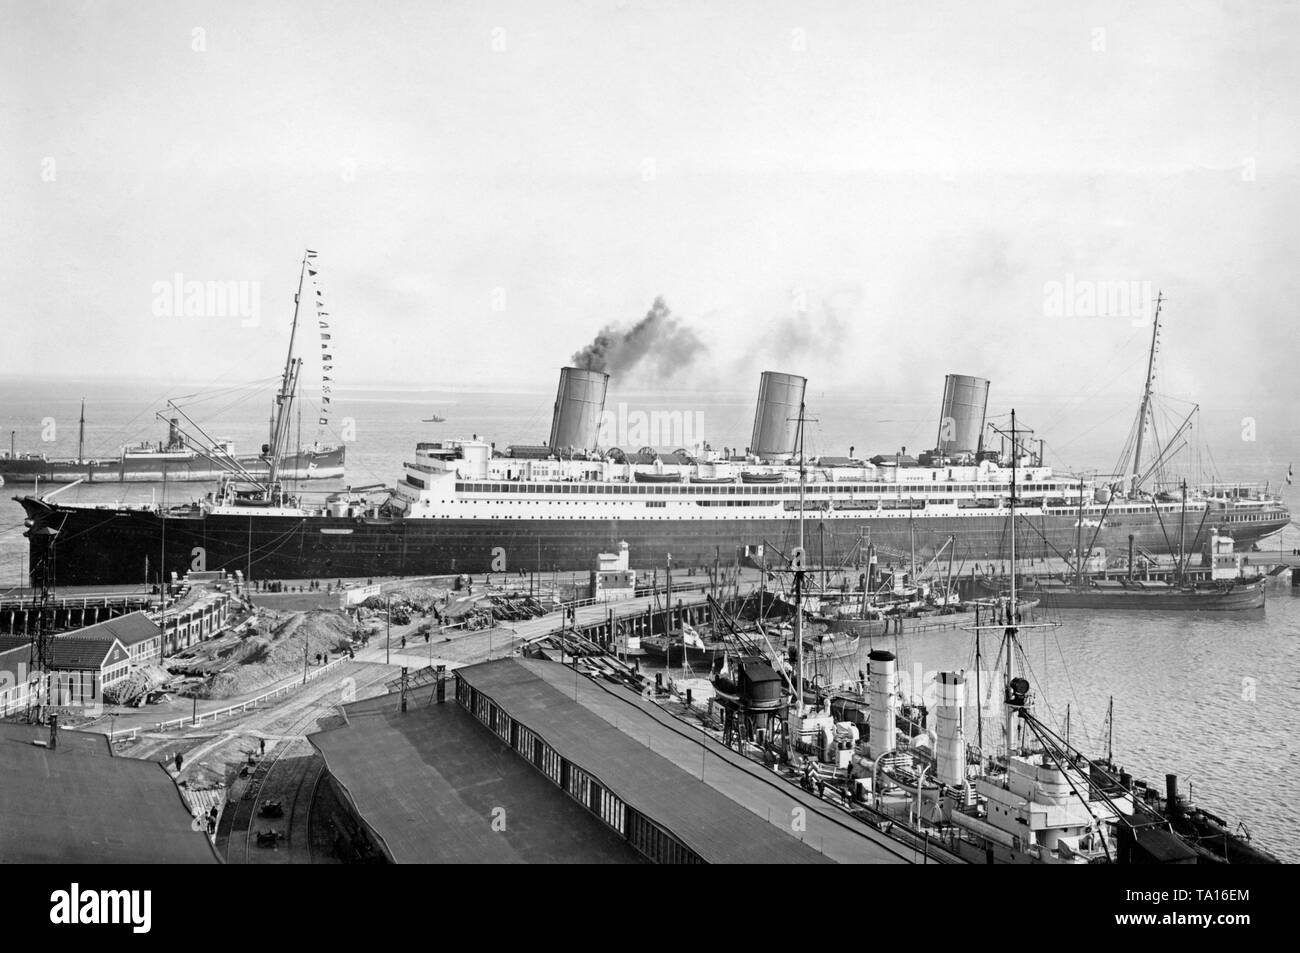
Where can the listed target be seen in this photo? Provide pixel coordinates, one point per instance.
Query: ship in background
(168, 462)
(462, 506)
(198, 456)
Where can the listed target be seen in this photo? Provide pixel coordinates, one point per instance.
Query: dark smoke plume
(658, 340)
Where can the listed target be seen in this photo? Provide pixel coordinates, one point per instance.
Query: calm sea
(1209, 698)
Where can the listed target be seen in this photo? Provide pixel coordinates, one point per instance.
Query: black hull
(107, 545)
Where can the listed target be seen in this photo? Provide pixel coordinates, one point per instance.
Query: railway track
(290, 774)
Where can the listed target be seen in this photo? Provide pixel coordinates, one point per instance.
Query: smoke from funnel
(658, 339)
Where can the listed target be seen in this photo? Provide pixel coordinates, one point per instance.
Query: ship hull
(154, 468)
(1242, 597)
(110, 545)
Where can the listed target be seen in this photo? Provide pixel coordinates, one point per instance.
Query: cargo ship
(1220, 584)
(462, 506)
(1105, 595)
(203, 459)
(168, 462)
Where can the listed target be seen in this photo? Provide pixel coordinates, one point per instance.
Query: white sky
(914, 172)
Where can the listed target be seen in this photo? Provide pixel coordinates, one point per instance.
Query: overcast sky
(868, 193)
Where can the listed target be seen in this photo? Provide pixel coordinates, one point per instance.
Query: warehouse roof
(655, 763)
(78, 804)
(430, 783)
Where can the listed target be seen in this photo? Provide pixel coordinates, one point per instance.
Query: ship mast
(1011, 605)
(1078, 542)
(1146, 394)
(798, 580)
(288, 385)
(1110, 732)
(81, 434)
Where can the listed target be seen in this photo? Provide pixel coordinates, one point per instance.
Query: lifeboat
(657, 477)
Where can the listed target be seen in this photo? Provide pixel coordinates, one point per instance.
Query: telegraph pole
(41, 635)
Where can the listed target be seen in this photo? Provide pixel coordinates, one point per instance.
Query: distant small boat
(435, 419)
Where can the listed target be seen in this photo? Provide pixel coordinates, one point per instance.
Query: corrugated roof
(654, 763)
(78, 804)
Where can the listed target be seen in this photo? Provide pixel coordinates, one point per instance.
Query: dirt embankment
(273, 647)
(136, 688)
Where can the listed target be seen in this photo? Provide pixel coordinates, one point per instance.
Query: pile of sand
(275, 648)
(135, 688)
(421, 595)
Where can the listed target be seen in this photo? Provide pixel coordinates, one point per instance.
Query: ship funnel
(579, 404)
(776, 419)
(950, 741)
(881, 685)
(961, 419)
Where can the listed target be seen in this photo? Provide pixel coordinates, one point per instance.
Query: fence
(196, 720)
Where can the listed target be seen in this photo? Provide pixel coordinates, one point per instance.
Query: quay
(664, 789)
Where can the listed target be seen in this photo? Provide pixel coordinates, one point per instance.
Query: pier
(18, 615)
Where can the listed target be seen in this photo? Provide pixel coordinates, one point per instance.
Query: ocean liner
(462, 506)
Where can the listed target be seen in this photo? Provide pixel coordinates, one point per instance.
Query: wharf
(640, 769)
